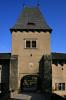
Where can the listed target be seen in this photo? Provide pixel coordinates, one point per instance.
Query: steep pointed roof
(31, 19)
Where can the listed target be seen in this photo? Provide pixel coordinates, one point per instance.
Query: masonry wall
(28, 64)
(59, 76)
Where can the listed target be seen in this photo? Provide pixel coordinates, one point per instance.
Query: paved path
(31, 96)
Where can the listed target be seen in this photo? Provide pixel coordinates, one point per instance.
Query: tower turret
(31, 44)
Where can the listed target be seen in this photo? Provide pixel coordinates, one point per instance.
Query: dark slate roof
(5, 55)
(31, 19)
(59, 56)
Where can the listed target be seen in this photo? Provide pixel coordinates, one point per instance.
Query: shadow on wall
(45, 73)
(47, 96)
(5, 63)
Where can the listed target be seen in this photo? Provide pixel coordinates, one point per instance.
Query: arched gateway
(29, 83)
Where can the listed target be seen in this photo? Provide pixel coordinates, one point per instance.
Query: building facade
(32, 66)
(59, 73)
(32, 31)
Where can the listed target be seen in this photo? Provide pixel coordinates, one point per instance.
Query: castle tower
(30, 45)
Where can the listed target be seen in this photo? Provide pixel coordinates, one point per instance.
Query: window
(27, 44)
(60, 86)
(33, 44)
(30, 43)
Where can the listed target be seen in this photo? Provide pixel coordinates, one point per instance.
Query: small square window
(60, 86)
(30, 43)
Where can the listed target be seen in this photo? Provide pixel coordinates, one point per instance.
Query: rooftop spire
(38, 3)
(24, 3)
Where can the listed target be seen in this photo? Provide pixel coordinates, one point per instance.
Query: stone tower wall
(28, 64)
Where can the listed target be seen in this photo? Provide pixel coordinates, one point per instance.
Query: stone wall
(28, 58)
(59, 76)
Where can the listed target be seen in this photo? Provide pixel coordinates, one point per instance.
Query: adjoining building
(59, 73)
(31, 65)
(4, 72)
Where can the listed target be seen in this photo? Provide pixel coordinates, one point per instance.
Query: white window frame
(30, 43)
(57, 85)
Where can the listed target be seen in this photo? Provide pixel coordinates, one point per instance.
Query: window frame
(31, 44)
(28, 44)
(60, 86)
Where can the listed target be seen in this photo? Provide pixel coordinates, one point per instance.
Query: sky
(54, 12)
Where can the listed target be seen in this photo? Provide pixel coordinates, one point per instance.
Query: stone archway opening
(29, 83)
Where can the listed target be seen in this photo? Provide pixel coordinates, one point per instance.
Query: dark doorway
(29, 83)
(4, 84)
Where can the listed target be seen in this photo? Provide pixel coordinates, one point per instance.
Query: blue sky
(54, 12)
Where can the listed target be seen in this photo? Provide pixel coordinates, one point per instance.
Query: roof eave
(39, 30)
